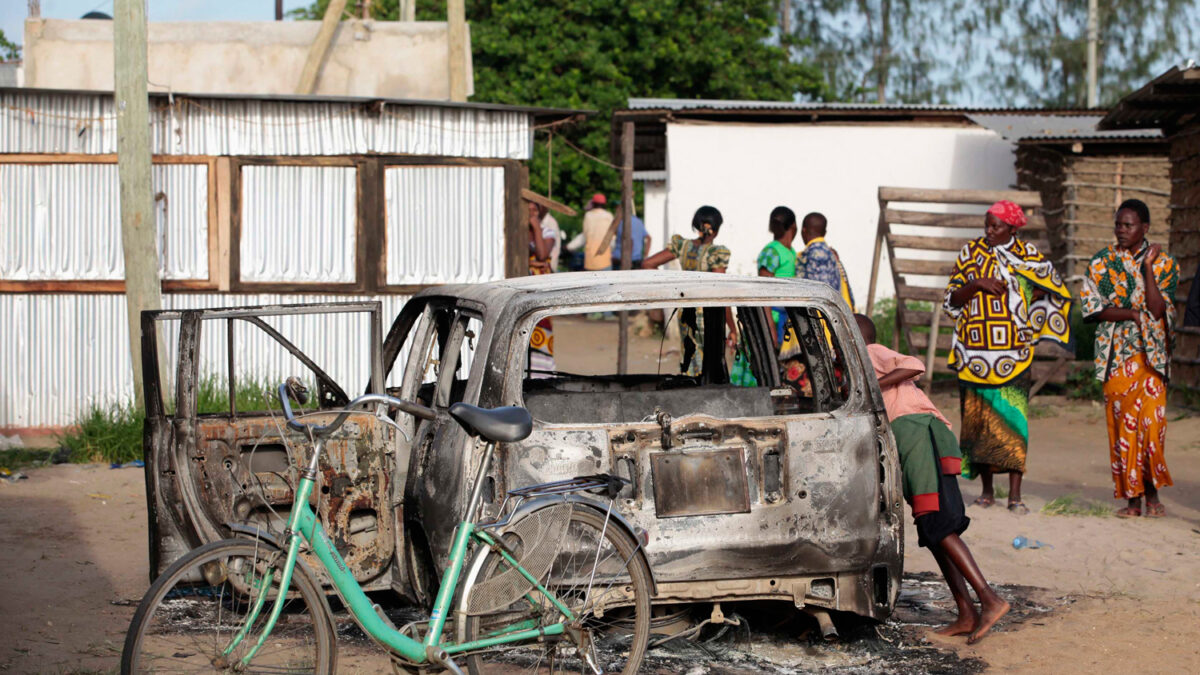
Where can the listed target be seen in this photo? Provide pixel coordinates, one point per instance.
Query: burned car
(755, 472)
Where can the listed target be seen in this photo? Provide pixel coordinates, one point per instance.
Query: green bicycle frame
(303, 524)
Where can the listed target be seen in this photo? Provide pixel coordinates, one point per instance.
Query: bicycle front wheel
(596, 571)
(190, 619)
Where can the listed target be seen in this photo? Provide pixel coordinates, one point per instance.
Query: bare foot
(965, 624)
(991, 614)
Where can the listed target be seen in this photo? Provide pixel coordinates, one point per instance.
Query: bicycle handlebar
(322, 430)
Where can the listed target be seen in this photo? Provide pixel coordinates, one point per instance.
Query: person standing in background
(818, 261)
(1128, 291)
(596, 221)
(542, 240)
(641, 240)
(1004, 297)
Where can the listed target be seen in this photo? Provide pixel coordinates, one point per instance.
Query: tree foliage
(596, 54)
(8, 50)
(1001, 52)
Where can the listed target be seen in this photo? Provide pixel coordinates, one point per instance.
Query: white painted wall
(747, 170)
(654, 205)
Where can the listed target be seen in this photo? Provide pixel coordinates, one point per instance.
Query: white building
(259, 200)
(747, 157)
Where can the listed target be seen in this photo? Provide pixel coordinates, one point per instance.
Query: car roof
(566, 289)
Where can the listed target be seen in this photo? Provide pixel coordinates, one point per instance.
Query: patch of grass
(19, 458)
(1075, 505)
(109, 435)
(1039, 411)
(1083, 386)
(114, 434)
(1000, 491)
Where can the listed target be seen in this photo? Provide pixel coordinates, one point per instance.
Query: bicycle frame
(303, 524)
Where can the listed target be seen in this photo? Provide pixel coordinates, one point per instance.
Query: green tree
(8, 50)
(992, 52)
(596, 54)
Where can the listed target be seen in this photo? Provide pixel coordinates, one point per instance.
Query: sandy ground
(1125, 593)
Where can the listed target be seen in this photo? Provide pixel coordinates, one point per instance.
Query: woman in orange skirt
(1127, 291)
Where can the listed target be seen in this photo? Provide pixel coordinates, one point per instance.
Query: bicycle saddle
(501, 425)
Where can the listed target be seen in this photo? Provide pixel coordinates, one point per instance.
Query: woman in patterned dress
(697, 255)
(1004, 296)
(1128, 291)
(542, 240)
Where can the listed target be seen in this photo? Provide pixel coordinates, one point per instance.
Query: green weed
(111, 434)
(1075, 505)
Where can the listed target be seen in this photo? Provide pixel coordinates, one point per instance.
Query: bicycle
(557, 572)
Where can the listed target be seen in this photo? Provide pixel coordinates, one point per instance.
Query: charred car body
(782, 486)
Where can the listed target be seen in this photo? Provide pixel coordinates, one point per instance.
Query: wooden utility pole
(456, 17)
(320, 47)
(143, 290)
(279, 10)
(1093, 37)
(626, 238)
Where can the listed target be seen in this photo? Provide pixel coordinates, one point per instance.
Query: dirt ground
(1108, 593)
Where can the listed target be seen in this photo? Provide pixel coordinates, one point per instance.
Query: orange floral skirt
(1135, 400)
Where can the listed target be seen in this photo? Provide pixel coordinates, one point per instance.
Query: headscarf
(1008, 213)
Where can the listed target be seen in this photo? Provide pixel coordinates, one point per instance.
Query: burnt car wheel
(193, 611)
(598, 573)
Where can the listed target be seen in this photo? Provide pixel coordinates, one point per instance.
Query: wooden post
(320, 47)
(279, 10)
(626, 238)
(456, 17)
(880, 229)
(408, 10)
(930, 351)
(143, 290)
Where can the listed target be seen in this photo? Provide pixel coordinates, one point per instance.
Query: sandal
(984, 502)
(1155, 510)
(1128, 512)
(1018, 508)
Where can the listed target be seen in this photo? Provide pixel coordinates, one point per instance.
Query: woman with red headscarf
(1004, 296)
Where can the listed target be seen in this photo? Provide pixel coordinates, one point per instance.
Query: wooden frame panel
(118, 285)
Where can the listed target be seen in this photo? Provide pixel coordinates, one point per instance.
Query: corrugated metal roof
(1056, 127)
(44, 121)
(681, 104)
(1166, 101)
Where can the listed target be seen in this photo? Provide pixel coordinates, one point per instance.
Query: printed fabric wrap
(994, 334)
(696, 258)
(1114, 279)
(819, 262)
(1135, 400)
(914, 436)
(778, 259)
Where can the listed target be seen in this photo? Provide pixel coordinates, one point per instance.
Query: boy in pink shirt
(930, 461)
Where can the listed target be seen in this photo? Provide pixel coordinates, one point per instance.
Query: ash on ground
(774, 638)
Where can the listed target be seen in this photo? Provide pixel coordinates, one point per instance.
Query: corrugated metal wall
(85, 123)
(62, 221)
(64, 353)
(443, 223)
(298, 223)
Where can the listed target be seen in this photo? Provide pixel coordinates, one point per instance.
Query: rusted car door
(211, 474)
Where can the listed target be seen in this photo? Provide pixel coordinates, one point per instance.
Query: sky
(13, 12)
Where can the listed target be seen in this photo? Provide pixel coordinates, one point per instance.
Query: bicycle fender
(582, 500)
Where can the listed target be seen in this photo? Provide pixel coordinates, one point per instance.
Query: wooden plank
(1118, 186)
(920, 341)
(315, 60)
(930, 267)
(214, 248)
(962, 220)
(881, 228)
(82, 158)
(934, 294)
(928, 243)
(456, 41)
(304, 160)
(1022, 198)
(224, 183)
(370, 226)
(97, 286)
(516, 222)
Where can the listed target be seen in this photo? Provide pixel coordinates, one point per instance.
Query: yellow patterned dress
(694, 257)
(1133, 360)
(993, 344)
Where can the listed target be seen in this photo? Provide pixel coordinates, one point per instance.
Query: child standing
(930, 461)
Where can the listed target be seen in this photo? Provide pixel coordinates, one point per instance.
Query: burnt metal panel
(699, 482)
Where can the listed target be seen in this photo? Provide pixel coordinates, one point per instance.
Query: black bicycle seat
(502, 425)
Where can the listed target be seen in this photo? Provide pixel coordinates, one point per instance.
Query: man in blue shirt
(641, 241)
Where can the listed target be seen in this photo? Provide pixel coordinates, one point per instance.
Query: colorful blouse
(819, 262)
(778, 259)
(696, 258)
(994, 334)
(1114, 279)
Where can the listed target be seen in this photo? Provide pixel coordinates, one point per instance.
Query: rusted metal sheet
(699, 483)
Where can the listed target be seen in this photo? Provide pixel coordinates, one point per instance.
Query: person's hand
(989, 286)
(732, 338)
(1151, 256)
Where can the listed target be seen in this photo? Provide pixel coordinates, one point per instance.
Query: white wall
(654, 205)
(747, 170)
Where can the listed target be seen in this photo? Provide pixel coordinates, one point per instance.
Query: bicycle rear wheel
(597, 572)
(192, 613)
